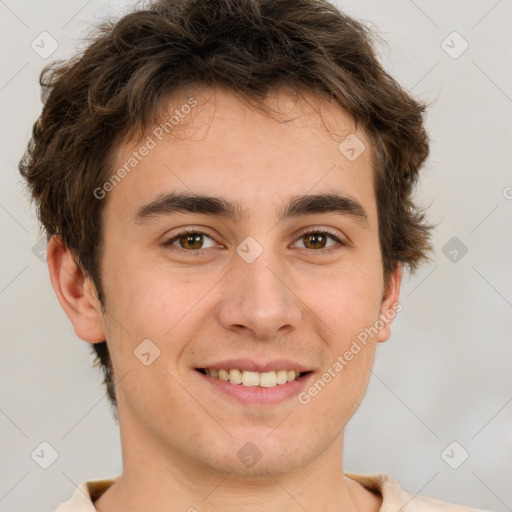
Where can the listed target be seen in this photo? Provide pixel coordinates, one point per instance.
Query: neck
(158, 481)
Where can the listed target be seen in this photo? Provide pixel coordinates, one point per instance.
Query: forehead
(209, 141)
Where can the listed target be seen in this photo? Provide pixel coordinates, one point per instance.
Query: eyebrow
(296, 206)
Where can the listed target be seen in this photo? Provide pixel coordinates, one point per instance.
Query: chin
(256, 458)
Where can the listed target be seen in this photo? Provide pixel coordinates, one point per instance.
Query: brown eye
(315, 240)
(191, 241)
(318, 240)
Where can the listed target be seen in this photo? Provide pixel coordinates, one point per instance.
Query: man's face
(258, 292)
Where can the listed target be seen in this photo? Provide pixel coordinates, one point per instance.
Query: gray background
(445, 374)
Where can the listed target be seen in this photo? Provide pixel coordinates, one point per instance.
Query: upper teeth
(247, 378)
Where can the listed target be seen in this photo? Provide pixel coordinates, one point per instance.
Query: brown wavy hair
(117, 84)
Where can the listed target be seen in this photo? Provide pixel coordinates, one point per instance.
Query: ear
(390, 305)
(75, 292)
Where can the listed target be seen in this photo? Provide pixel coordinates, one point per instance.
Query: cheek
(149, 300)
(347, 302)
(145, 313)
(349, 306)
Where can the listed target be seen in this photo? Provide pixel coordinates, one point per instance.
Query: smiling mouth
(253, 379)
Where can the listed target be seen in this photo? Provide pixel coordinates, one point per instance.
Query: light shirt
(394, 498)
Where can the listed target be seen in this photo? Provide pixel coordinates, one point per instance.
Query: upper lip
(255, 366)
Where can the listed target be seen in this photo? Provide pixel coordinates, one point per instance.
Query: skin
(180, 438)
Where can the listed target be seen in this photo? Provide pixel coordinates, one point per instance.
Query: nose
(258, 299)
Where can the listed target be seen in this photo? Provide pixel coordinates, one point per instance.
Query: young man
(226, 188)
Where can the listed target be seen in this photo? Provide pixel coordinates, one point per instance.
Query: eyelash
(168, 243)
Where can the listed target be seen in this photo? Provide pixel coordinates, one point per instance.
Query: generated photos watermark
(344, 359)
(150, 143)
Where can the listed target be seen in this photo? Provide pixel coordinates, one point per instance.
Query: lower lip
(257, 394)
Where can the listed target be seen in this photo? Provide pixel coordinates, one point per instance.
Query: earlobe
(390, 303)
(75, 291)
